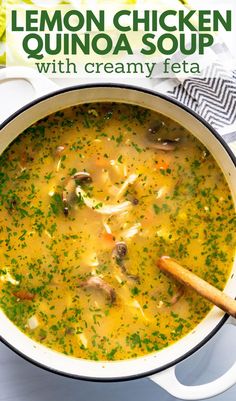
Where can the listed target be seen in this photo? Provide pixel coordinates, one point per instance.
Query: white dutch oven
(160, 366)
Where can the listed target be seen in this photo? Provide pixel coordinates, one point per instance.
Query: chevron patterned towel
(212, 98)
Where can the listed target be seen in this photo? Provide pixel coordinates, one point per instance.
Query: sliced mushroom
(120, 250)
(82, 176)
(155, 128)
(69, 190)
(99, 284)
(135, 201)
(24, 295)
(176, 297)
(156, 140)
(133, 277)
(67, 194)
(118, 254)
(164, 144)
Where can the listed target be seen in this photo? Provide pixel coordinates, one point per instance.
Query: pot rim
(233, 159)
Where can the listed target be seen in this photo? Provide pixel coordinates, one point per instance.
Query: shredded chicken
(105, 177)
(132, 231)
(8, 277)
(107, 228)
(59, 150)
(91, 259)
(51, 192)
(99, 207)
(135, 304)
(161, 192)
(129, 181)
(33, 322)
(58, 165)
(48, 234)
(83, 339)
(117, 168)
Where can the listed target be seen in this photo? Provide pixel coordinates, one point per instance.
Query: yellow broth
(86, 283)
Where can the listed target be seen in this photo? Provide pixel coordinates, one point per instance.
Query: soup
(90, 198)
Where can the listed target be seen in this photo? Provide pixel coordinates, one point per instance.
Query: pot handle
(168, 381)
(40, 83)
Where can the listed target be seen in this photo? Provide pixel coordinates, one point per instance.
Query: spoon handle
(206, 290)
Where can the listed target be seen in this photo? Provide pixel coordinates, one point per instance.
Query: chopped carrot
(148, 219)
(100, 162)
(108, 237)
(23, 159)
(163, 165)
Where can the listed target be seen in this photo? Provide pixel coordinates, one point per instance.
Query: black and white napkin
(211, 94)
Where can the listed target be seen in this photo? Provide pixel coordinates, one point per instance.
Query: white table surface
(22, 381)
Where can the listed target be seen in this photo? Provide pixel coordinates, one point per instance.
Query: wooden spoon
(217, 297)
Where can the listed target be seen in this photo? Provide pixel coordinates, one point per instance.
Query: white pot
(160, 366)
